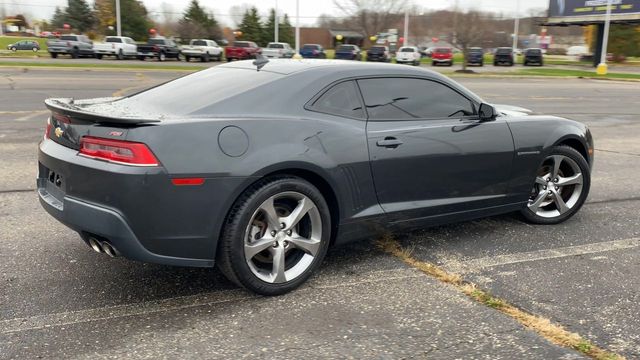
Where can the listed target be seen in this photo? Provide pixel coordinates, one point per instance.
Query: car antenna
(260, 61)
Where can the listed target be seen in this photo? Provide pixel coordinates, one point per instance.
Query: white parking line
(508, 259)
(183, 302)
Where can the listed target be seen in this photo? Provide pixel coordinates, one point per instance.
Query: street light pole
(275, 30)
(516, 29)
(298, 27)
(602, 67)
(406, 28)
(118, 27)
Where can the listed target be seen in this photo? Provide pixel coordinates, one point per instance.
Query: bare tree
(372, 16)
(470, 29)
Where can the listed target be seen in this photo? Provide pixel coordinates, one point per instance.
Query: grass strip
(101, 66)
(544, 327)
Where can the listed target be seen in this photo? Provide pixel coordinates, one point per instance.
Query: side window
(409, 98)
(342, 99)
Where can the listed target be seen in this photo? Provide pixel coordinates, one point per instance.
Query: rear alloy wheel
(120, 55)
(35, 49)
(561, 187)
(162, 56)
(276, 236)
(13, 48)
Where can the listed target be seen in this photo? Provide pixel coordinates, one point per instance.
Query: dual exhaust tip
(102, 247)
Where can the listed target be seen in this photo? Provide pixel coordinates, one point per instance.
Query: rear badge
(115, 133)
(59, 132)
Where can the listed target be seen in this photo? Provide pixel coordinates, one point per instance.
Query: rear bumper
(442, 60)
(136, 209)
(104, 52)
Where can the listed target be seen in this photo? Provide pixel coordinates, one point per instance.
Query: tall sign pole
(602, 67)
(298, 27)
(406, 28)
(275, 30)
(516, 30)
(118, 26)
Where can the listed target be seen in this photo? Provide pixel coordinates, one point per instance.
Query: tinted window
(407, 98)
(311, 47)
(276, 46)
(534, 52)
(408, 50)
(504, 51)
(240, 44)
(342, 99)
(199, 43)
(156, 41)
(346, 48)
(475, 51)
(443, 51)
(378, 49)
(68, 38)
(113, 40)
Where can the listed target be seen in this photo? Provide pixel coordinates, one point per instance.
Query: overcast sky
(309, 9)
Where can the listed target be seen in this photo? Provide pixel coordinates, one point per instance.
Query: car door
(429, 152)
(129, 47)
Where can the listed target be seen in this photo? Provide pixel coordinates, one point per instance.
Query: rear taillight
(47, 130)
(117, 151)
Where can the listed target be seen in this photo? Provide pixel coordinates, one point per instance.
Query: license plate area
(51, 187)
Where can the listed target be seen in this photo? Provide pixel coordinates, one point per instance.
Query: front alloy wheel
(275, 236)
(561, 187)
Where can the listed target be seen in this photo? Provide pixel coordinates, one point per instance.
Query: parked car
(378, 53)
(203, 171)
(24, 45)
(503, 55)
(533, 56)
(408, 55)
(348, 52)
(278, 50)
(442, 55)
(313, 51)
(425, 52)
(475, 56)
(202, 49)
(159, 48)
(118, 46)
(242, 50)
(74, 45)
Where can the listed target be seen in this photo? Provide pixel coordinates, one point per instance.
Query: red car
(242, 50)
(443, 55)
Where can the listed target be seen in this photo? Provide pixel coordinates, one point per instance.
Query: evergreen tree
(286, 31)
(251, 27)
(59, 18)
(268, 31)
(197, 23)
(79, 15)
(135, 20)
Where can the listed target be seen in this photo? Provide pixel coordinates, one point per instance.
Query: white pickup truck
(118, 46)
(278, 50)
(203, 49)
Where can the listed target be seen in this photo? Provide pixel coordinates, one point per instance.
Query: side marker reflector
(187, 181)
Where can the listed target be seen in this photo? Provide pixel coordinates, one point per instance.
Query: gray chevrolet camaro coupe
(260, 172)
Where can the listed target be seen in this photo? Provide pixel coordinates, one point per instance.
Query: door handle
(389, 142)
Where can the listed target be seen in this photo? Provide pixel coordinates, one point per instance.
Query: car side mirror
(486, 112)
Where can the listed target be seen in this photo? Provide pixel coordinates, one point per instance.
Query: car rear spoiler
(66, 106)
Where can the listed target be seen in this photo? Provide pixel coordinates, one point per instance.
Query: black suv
(378, 53)
(533, 56)
(503, 55)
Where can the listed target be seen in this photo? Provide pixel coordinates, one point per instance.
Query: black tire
(231, 249)
(142, 58)
(229, 59)
(74, 54)
(162, 56)
(205, 58)
(14, 49)
(583, 165)
(99, 56)
(433, 63)
(54, 55)
(120, 55)
(187, 58)
(35, 49)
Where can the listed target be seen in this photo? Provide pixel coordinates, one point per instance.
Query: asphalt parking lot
(59, 299)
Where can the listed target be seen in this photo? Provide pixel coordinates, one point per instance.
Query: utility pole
(275, 30)
(406, 27)
(516, 30)
(602, 67)
(118, 26)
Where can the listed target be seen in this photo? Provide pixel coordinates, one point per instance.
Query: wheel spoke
(542, 180)
(533, 206)
(299, 212)
(278, 265)
(251, 250)
(571, 180)
(310, 246)
(557, 161)
(560, 204)
(269, 210)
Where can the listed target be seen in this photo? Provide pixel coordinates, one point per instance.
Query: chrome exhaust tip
(95, 245)
(109, 250)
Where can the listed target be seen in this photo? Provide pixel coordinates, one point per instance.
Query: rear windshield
(378, 48)
(311, 47)
(199, 43)
(534, 52)
(156, 41)
(443, 50)
(113, 40)
(275, 46)
(68, 37)
(407, 50)
(475, 51)
(194, 93)
(346, 48)
(240, 44)
(504, 51)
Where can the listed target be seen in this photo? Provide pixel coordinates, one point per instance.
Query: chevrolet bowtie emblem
(59, 132)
